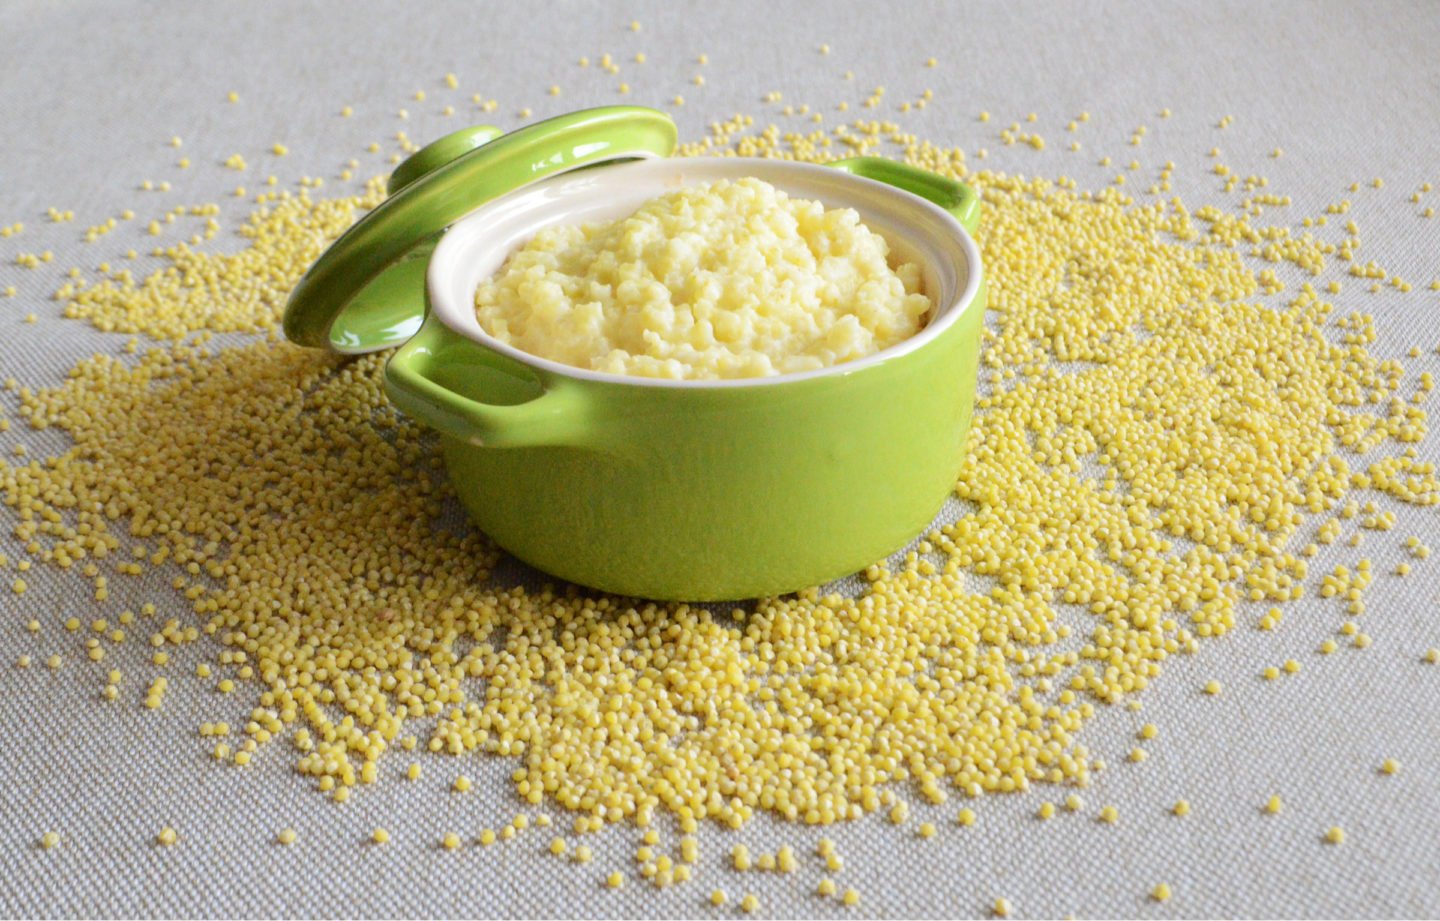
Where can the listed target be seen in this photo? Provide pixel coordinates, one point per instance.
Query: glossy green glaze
(956, 197)
(438, 153)
(364, 292)
(704, 492)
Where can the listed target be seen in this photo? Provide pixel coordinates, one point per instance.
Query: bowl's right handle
(492, 400)
(952, 195)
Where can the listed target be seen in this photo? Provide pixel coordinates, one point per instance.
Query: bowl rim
(459, 317)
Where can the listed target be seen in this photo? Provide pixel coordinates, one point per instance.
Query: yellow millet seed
(49, 840)
(1161, 892)
(615, 880)
(1109, 815)
(380, 836)
(1335, 835)
(717, 897)
(166, 837)
(1001, 908)
(740, 857)
(332, 511)
(750, 904)
(1273, 805)
(286, 836)
(1181, 808)
(1389, 766)
(1046, 811)
(850, 898)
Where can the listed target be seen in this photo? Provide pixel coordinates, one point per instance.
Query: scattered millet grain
(740, 857)
(412, 592)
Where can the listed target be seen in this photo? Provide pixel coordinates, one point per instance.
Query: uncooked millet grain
(1152, 302)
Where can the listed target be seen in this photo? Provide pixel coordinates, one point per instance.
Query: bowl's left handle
(467, 391)
(951, 194)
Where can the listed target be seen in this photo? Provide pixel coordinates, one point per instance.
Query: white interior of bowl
(477, 246)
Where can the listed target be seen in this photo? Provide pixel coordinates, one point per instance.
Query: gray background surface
(90, 95)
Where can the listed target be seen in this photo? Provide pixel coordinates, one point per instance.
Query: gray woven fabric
(92, 92)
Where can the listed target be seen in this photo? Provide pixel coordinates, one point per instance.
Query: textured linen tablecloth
(90, 94)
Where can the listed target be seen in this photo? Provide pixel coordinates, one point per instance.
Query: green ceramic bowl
(697, 490)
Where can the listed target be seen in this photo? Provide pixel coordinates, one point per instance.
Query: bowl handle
(954, 196)
(468, 391)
